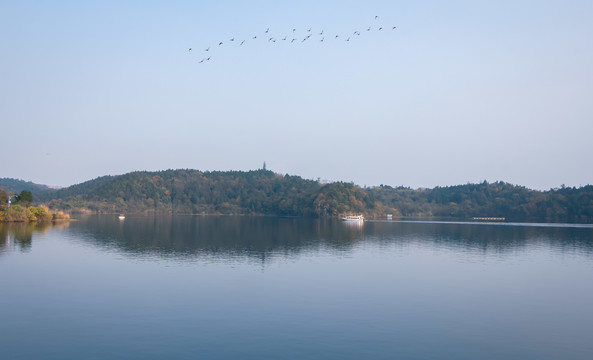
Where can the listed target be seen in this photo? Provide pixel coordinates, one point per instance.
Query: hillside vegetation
(234, 192)
(499, 199)
(15, 186)
(263, 192)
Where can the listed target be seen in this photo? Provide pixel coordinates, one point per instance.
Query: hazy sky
(461, 91)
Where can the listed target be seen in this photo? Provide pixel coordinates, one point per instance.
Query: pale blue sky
(461, 91)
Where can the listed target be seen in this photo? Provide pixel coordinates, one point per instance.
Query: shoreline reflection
(262, 237)
(20, 234)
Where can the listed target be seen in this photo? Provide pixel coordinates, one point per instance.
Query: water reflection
(20, 235)
(488, 238)
(262, 237)
(217, 235)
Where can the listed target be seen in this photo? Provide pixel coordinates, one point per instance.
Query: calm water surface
(270, 288)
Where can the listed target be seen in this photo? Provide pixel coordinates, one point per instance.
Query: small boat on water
(353, 218)
(122, 216)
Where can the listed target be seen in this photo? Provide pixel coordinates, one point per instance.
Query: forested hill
(499, 200)
(15, 186)
(232, 192)
(267, 193)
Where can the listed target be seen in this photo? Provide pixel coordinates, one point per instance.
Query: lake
(289, 288)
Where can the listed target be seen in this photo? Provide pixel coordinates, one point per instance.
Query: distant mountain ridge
(264, 192)
(78, 189)
(15, 186)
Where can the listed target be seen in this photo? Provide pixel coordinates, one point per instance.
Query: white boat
(122, 216)
(355, 218)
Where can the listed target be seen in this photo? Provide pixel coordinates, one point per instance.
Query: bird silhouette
(320, 35)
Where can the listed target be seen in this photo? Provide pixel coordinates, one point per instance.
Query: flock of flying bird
(293, 37)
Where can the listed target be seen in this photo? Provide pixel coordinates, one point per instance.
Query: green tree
(25, 197)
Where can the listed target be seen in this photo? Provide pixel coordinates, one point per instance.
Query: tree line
(263, 192)
(19, 208)
(258, 192)
(498, 199)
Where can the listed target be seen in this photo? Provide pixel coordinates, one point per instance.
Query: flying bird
(319, 35)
